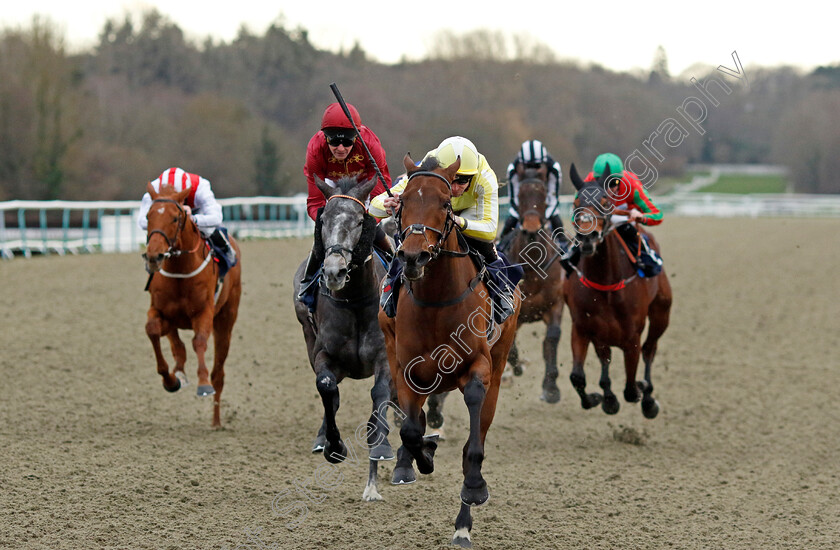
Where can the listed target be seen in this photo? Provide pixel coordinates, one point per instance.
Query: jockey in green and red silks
(627, 193)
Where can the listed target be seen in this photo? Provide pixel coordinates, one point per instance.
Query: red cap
(334, 117)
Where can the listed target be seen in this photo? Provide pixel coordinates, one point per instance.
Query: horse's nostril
(423, 258)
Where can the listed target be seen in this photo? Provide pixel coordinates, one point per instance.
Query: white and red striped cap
(176, 177)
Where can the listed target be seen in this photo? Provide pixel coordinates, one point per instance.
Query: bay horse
(532, 246)
(610, 304)
(343, 338)
(438, 340)
(185, 295)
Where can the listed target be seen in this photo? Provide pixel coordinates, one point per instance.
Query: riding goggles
(339, 141)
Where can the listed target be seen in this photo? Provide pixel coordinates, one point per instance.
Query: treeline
(98, 125)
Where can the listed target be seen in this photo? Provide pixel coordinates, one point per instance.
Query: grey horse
(343, 337)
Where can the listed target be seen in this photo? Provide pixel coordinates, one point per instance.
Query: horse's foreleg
(327, 384)
(155, 328)
(551, 393)
(202, 326)
(610, 404)
(474, 490)
(412, 430)
(578, 378)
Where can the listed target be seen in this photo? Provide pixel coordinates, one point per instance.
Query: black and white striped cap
(532, 152)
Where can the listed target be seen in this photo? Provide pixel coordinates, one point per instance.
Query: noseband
(420, 229)
(182, 218)
(339, 249)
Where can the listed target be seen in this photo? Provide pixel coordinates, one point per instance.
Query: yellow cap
(453, 147)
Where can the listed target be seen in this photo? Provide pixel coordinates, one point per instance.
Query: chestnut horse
(533, 247)
(438, 341)
(610, 304)
(183, 290)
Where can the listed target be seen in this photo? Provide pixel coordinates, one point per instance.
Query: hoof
(518, 369)
(550, 395)
(592, 400)
(382, 452)
(371, 494)
(182, 378)
(439, 433)
(650, 408)
(403, 475)
(173, 388)
(632, 394)
(475, 497)
(204, 391)
(434, 419)
(335, 454)
(319, 443)
(462, 539)
(610, 404)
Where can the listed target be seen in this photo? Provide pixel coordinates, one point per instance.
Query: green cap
(616, 167)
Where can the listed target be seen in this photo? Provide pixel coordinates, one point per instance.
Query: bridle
(339, 249)
(173, 251)
(435, 249)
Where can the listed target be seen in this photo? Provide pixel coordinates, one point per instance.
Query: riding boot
(308, 285)
(220, 241)
(383, 244)
(391, 288)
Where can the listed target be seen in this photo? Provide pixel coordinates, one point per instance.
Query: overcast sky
(619, 35)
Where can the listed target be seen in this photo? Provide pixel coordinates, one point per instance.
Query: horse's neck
(192, 253)
(446, 276)
(608, 265)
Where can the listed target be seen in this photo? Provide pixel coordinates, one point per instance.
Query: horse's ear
(606, 174)
(362, 190)
(452, 169)
(150, 189)
(324, 188)
(182, 196)
(576, 181)
(408, 163)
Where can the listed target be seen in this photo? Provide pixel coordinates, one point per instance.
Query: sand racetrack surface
(745, 453)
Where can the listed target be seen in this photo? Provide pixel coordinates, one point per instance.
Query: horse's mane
(428, 164)
(346, 183)
(594, 192)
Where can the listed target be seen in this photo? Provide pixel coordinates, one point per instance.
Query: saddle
(500, 277)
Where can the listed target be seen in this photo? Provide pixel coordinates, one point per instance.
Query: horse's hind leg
(610, 404)
(463, 526)
(514, 359)
(659, 316)
(179, 352)
(377, 428)
(155, 328)
(578, 377)
(551, 393)
(222, 330)
(434, 416)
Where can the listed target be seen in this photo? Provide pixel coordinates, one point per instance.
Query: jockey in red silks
(335, 152)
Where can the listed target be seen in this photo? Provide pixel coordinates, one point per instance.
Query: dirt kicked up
(744, 453)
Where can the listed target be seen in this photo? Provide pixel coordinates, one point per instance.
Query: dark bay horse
(438, 341)
(343, 338)
(610, 304)
(183, 290)
(532, 245)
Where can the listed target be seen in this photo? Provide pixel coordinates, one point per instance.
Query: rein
(175, 252)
